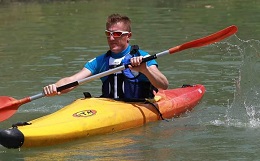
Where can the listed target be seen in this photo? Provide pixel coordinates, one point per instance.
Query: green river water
(42, 41)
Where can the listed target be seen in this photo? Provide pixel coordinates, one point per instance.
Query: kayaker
(140, 80)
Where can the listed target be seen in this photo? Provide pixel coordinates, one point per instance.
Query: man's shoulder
(101, 57)
(142, 52)
(97, 59)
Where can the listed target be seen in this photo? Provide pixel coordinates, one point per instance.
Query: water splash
(244, 111)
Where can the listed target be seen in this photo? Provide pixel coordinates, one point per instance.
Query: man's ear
(129, 35)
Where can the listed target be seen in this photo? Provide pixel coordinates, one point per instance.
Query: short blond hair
(115, 18)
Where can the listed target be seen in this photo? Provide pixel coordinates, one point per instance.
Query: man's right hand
(50, 90)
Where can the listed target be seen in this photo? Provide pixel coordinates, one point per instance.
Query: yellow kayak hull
(92, 116)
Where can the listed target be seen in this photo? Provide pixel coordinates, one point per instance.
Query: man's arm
(51, 90)
(157, 79)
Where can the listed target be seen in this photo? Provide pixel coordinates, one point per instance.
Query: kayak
(94, 116)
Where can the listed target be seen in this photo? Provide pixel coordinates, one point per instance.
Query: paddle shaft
(220, 35)
(96, 76)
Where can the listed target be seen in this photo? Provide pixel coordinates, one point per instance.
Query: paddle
(9, 105)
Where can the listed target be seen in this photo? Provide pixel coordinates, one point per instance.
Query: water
(43, 41)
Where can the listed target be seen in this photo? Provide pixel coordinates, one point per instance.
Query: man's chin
(115, 50)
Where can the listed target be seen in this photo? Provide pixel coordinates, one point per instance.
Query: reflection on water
(96, 149)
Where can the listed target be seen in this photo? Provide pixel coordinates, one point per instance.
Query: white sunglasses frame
(111, 33)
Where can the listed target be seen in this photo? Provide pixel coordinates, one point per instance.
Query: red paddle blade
(218, 36)
(8, 106)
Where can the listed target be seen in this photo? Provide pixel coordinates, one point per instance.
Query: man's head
(117, 18)
(118, 32)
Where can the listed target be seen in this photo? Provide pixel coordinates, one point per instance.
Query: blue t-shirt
(99, 64)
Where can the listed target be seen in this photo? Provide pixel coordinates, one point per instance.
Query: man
(140, 80)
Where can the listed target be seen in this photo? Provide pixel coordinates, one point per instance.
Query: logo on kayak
(85, 113)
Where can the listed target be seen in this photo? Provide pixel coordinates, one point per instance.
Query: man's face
(118, 44)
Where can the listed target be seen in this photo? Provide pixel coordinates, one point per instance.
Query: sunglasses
(117, 33)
